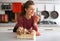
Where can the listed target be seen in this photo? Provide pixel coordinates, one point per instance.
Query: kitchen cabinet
(6, 29)
(41, 29)
(49, 28)
(50, 36)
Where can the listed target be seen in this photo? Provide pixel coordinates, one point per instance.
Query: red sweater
(26, 23)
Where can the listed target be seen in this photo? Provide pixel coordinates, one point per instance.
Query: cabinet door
(45, 29)
(6, 29)
(49, 29)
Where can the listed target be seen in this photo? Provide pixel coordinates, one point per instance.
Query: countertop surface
(50, 36)
(48, 25)
(10, 36)
(40, 25)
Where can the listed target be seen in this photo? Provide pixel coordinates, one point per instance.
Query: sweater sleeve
(19, 22)
(35, 27)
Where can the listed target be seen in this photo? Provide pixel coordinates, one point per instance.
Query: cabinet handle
(10, 29)
(48, 29)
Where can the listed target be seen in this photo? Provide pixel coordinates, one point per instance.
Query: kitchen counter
(39, 25)
(48, 25)
(10, 36)
(7, 24)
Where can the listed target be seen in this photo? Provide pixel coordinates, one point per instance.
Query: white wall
(13, 0)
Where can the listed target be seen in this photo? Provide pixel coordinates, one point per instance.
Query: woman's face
(30, 10)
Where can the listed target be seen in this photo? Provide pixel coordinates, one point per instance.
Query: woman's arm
(35, 25)
(35, 21)
(18, 24)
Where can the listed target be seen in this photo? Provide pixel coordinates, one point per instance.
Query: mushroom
(20, 30)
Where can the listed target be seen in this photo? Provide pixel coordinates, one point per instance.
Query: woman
(27, 19)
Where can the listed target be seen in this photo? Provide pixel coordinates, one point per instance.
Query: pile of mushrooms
(22, 30)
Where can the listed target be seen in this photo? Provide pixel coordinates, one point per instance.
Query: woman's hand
(36, 18)
(20, 30)
(37, 33)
